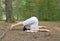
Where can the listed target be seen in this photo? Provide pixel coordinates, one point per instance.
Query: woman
(29, 25)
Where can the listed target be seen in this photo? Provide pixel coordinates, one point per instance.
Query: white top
(33, 22)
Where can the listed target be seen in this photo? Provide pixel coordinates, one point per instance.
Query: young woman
(29, 25)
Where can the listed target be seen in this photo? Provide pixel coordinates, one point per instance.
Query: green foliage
(46, 10)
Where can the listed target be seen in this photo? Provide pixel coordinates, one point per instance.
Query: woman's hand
(12, 27)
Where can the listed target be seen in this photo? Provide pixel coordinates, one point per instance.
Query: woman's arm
(19, 23)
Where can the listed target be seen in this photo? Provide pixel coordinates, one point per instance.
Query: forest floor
(17, 34)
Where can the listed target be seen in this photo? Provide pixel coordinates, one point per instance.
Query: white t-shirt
(33, 22)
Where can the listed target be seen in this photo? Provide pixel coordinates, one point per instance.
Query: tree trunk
(0, 9)
(8, 8)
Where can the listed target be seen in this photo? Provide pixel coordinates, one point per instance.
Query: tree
(8, 8)
(0, 9)
(48, 10)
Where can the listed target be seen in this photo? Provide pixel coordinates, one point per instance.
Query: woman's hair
(24, 28)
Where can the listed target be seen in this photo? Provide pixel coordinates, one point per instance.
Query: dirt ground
(18, 35)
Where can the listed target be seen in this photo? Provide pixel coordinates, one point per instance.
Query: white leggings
(33, 22)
